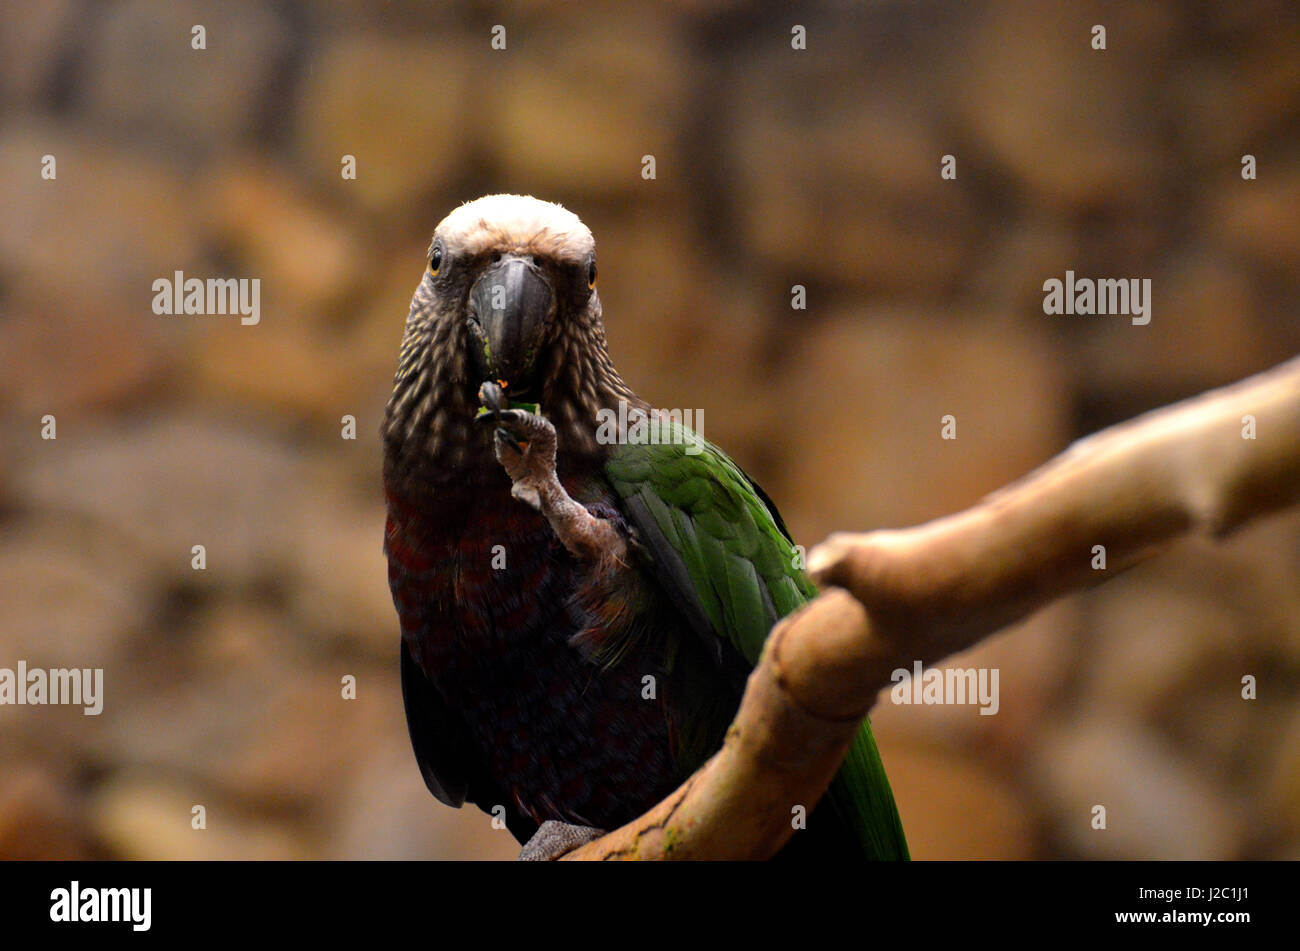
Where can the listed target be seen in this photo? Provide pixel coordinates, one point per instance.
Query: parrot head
(508, 296)
(515, 270)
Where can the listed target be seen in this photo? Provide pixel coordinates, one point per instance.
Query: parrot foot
(524, 444)
(555, 839)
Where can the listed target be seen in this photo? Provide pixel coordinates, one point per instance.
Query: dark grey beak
(508, 310)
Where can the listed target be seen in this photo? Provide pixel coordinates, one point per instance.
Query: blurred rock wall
(774, 167)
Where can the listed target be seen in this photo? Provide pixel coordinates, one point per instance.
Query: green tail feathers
(860, 792)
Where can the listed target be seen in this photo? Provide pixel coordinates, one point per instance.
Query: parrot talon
(525, 444)
(554, 839)
(532, 439)
(505, 437)
(517, 428)
(518, 417)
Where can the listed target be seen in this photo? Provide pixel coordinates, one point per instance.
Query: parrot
(583, 583)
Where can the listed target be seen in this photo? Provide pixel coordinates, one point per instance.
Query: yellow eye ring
(435, 260)
(591, 274)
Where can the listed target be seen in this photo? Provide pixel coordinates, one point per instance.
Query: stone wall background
(774, 167)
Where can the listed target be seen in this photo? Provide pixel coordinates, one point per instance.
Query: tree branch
(926, 592)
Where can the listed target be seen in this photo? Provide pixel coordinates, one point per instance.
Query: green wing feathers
(739, 564)
(724, 553)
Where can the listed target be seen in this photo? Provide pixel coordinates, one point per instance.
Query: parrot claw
(504, 438)
(555, 839)
(524, 444)
(523, 420)
(520, 428)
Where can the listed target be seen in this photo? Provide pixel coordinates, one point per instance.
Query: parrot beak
(509, 308)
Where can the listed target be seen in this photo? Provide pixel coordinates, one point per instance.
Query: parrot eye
(435, 260)
(591, 273)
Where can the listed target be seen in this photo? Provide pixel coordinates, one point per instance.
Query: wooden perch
(926, 592)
